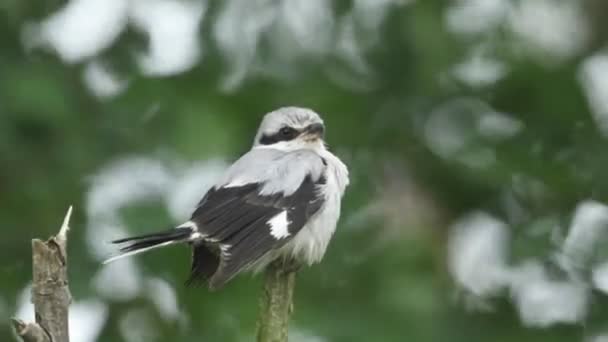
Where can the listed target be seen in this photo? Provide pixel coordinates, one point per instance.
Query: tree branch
(50, 292)
(30, 332)
(276, 304)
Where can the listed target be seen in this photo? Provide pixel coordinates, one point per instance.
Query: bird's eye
(286, 131)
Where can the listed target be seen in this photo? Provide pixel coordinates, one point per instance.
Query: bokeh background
(475, 132)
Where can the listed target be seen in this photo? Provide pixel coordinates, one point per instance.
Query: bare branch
(50, 293)
(30, 332)
(276, 304)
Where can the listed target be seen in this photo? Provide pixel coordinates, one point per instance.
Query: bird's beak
(316, 130)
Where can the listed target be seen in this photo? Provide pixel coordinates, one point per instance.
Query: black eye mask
(286, 133)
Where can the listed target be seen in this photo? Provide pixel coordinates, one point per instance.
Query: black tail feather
(166, 235)
(204, 265)
(148, 241)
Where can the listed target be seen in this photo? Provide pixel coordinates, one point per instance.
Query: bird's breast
(311, 242)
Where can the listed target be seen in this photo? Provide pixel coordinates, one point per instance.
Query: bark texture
(50, 291)
(276, 304)
(30, 332)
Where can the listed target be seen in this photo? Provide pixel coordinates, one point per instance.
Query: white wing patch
(188, 224)
(236, 183)
(278, 225)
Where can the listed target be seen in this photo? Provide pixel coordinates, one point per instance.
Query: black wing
(237, 220)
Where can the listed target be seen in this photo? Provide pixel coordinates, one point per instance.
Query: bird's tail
(139, 244)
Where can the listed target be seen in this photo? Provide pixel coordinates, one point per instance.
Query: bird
(280, 201)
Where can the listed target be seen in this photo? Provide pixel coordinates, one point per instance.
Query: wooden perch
(50, 291)
(276, 304)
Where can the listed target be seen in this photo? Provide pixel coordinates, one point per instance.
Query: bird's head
(290, 129)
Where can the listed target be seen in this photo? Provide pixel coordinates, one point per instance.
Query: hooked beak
(316, 130)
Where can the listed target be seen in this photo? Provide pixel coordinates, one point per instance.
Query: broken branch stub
(50, 292)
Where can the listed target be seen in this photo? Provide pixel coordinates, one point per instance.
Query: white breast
(308, 246)
(311, 242)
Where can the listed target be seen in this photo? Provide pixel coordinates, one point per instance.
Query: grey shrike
(279, 200)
